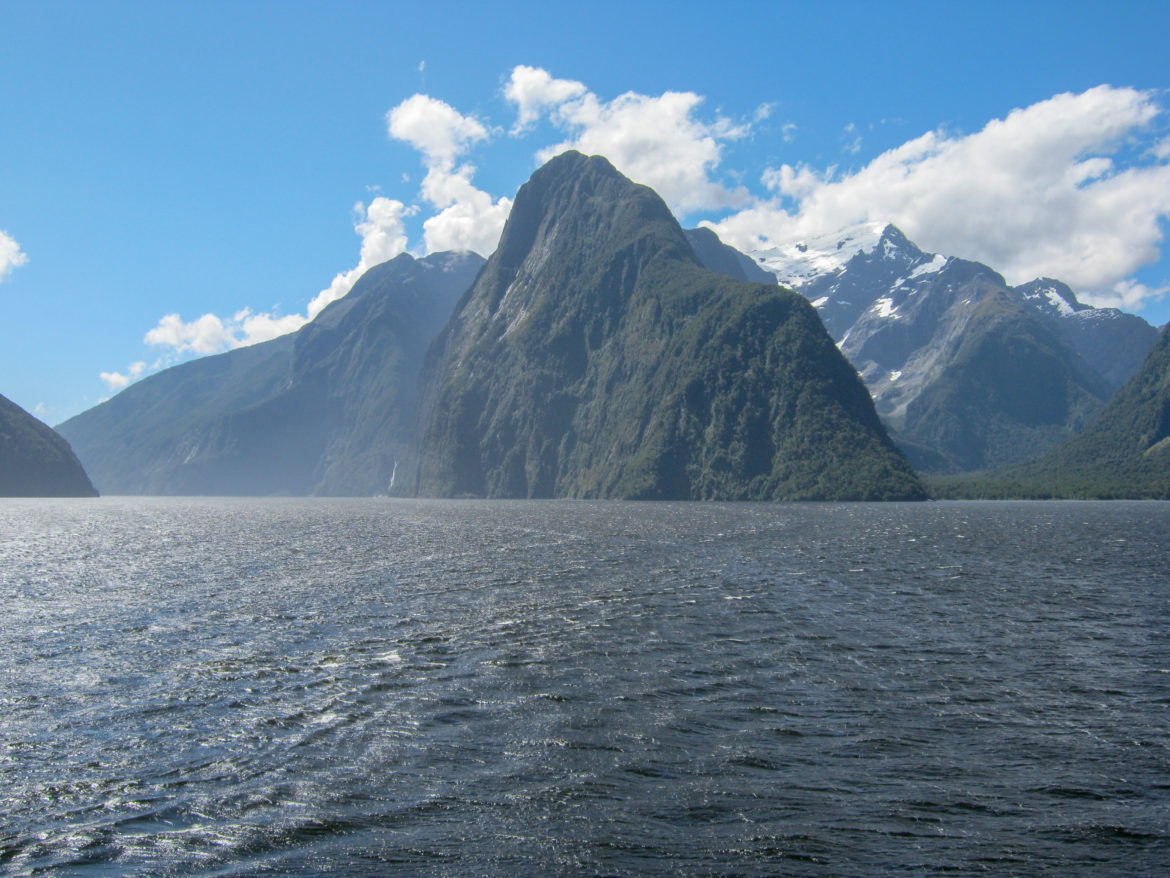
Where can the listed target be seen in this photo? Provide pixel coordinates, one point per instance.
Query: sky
(177, 179)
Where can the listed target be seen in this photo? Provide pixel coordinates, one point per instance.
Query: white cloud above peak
(381, 226)
(436, 129)
(534, 91)
(658, 141)
(1041, 192)
(468, 218)
(116, 380)
(11, 255)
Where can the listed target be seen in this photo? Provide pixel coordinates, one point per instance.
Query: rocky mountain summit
(968, 372)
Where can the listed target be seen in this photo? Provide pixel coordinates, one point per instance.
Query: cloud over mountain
(1054, 189)
(1076, 187)
(658, 141)
(467, 218)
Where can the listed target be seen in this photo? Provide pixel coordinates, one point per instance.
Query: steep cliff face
(35, 461)
(329, 410)
(596, 357)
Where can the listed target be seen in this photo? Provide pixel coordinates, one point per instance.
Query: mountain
(595, 357)
(327, 410)
(967, 372)
(35, 461)
(721, 258)
(1125, 453)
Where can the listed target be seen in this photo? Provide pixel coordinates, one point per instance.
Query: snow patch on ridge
(1057, 302)
(935, 265)
(797, 262)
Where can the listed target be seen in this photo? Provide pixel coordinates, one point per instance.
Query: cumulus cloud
(468, 218)
(381, 227)
(1041, 192)
(10, 255)
(436, 129)
(116, 380)
(206, 335)
(658, 141)
(534, 91)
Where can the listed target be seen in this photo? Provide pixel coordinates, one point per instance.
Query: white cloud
(653, 140)
(383, 237)
(10, 255)
(1129, 295)
(383, 234)
(850, 139)
(534, 91)
(1038, 193)
(206, 335)
(468, 218)
(436, 129)
(116, 381)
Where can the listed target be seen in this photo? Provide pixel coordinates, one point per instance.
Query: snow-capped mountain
(967, 371)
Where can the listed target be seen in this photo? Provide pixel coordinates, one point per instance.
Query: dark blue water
(378, 687)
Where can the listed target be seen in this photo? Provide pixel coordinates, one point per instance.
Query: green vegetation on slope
(595, 357)
(1124, 453)
(35, 461)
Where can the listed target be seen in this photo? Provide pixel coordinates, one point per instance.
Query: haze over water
(245, 687)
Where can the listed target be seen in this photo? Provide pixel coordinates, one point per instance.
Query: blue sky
(176, 178)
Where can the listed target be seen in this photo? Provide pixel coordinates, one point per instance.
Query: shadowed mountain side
(35, 461)
(328, 410)
(721, 258)
(147, 439)
(1125, 453)
(595, 357)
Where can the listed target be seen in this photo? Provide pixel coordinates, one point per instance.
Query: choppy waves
(373, 687)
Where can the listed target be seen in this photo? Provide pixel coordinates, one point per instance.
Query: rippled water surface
(249, 687)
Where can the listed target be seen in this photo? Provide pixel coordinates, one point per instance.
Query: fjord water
(305, 687)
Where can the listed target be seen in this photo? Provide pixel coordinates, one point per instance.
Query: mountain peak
(801, 261)
(893, 240)
(577, 209)
(1051, 296)
(596, 357)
